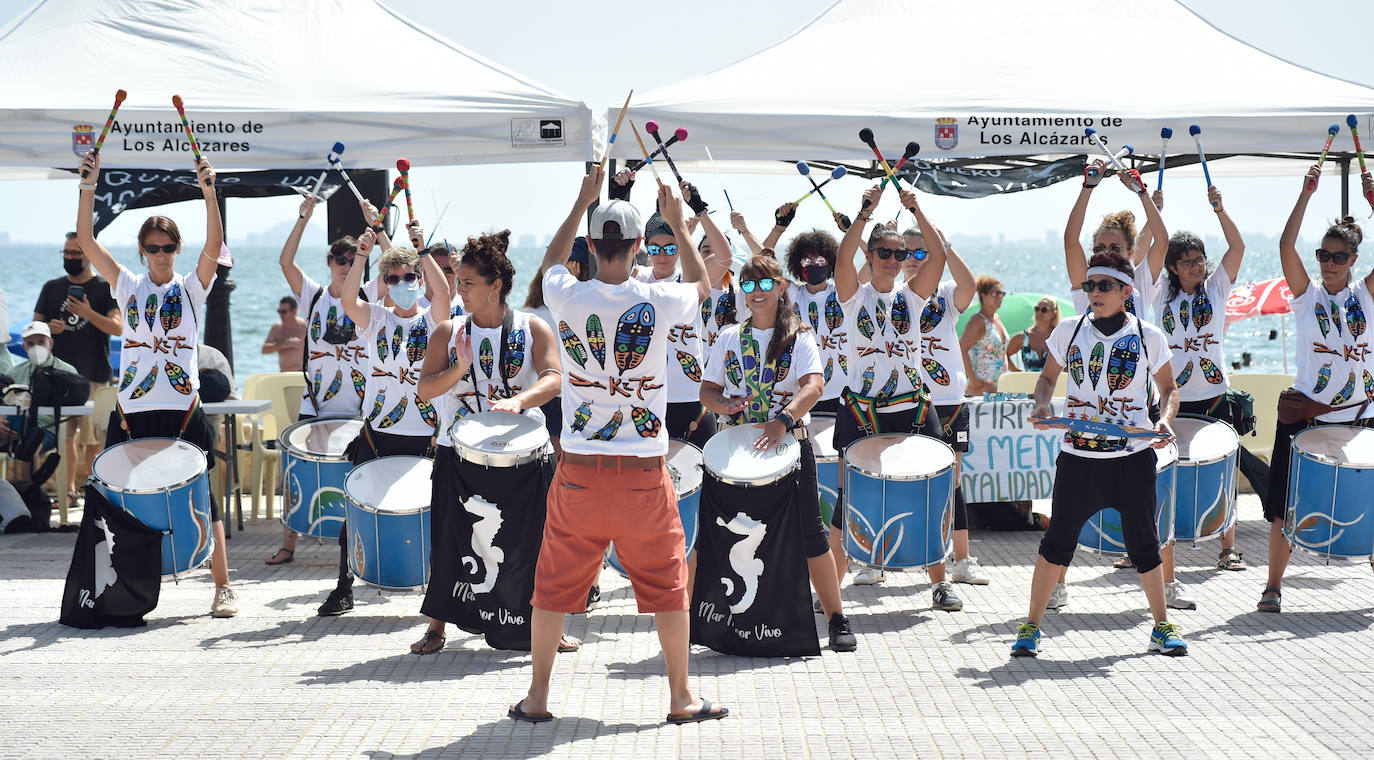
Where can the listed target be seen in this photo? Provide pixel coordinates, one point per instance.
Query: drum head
(1204, 440)
(898, 456)
(149, 465)
(396, 485)
(822, 434)
(500, 433)
(730, 455)
(1343, 445)
(1165, 458)
(321, 437)
(684, 462)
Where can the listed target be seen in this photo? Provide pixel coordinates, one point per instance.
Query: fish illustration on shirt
(932, 314)
(485, 358)
(1354, 316)
(646, 422)
(633, 334)
(178, 378)
(417, 341)
(937, 372)
(901, 315)
(596, 340)
(142, 388)
(608, 431)
(1202, 310)
(170, 313)
(427, 412)
(1121, 365)
(572, 345)
(733, 372)
(514, 358)
(1210, 371)
(580, 416)
(690, 367)
(834, 315)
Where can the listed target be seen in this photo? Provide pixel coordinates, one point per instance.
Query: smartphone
(76, 291)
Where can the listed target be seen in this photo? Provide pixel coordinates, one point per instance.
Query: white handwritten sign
(1008, 459)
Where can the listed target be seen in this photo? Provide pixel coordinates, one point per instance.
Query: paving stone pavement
(276, 681)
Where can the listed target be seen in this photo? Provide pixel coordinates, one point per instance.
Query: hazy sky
(596, 52)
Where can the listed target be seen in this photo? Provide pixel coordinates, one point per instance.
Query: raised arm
(295, 276)
(560, 248)
(1235, 245)
(1159, 234)
(356, 308)
(1146, 236)
(927, 280)
(98, 254)
(721, 252)
(1075, 258)
(846, 275)
(694, 270)
(781, 218)
(214, 226)
(737, 221)
(442, 300)
(1293, 270)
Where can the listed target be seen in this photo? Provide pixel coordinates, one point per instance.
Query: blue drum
(684, 465)
(1102, 532)
(821, 431)
(1205, 494)
(899, 497)
(1330, 511)
(163, 483)
(313, 470)
(388, 521)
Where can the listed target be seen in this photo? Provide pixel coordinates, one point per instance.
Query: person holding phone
(80, 313)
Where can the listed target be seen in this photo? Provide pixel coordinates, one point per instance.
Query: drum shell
(906, 523)
(388, 549)
(1102, 532)
(501, 457)
(1329, 508)
(181, 511)
(827, 462)
(313, 484)
(1205, 488)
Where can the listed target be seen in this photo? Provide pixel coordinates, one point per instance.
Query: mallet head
(838, 172)
(912, 148)
(1333, 129)
(866, 135)
(120, 95)
(176, 101)
(403, 165)
(1166, 132)
(680, 134)
(803, 168)
(1194, 130)
(651, 126)
(1351, 121)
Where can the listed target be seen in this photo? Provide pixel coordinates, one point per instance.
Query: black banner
(120, 190)
(485, 546)
(116, 570)
(968, 182)
(752, 594)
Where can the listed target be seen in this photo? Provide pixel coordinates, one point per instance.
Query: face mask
(73, 266)
(405, 294)
(39, 354)
(816, 274)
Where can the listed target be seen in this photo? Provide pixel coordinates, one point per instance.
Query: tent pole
(1345, 186)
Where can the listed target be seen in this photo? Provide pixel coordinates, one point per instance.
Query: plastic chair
(1265, 389)
(283, 390)
(1024, 382)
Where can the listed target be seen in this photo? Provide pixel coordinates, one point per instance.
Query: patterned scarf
(758, 378)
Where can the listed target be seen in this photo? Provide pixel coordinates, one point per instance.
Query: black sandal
(1271, 605)
(427, 645)
(290, 555)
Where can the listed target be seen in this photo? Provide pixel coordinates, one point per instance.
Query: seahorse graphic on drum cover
(170, 313)
(486, 556)
(744, 560)
(633, 333)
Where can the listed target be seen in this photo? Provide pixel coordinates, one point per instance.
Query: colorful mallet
(645, 150)
(866, 135)
(716, 169)
(619, 119)
(1164, 134)
(912, 148)
(1331, 133)
(1112, 157)
(181, 109)
(337, 162)
(396, 188)
(805, 171)
(1196, 132)
(1354, 123)
(120, 95)
(678, 136)
(403, 166)
(332, 159)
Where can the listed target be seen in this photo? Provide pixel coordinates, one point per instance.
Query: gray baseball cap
(629, 224)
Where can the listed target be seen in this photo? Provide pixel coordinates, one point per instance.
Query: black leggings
(1083, 486)
(681, 417)
(815, 538)
(370, 445)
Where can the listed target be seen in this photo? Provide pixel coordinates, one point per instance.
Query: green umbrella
(1018, 311)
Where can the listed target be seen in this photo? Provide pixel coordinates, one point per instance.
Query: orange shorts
(592, 505)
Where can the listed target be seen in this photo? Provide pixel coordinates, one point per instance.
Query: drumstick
(647, 159)
(396, 188)
(1101, 428)
(716, 169)
(1330, 135)
(403, 166)
(120, 95)
(815, 188)
(678, 136)
(1164, 135)
(338, 164)
(866, 135)
(181, 109)
(330, 160)
(1353, 123)
(1111, 157)
(1196, 132)
(835, 173)
(912, 148)
(616, 131)
(652, 126)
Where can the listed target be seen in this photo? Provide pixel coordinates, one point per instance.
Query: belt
(607, 461)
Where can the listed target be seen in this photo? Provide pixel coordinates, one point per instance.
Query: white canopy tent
(267, 85)
(1001, 78)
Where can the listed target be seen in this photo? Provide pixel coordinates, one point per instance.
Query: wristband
(87, 185)
(787, 419)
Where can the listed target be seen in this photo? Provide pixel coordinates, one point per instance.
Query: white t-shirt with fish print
(884, 347)
(157, 362)
(1195, 324)
(1333, 359)
(1108, 380)
(719, 311)
(396, 348)
(731, 370)
(614, 350)
(685, 357)
(336, 356)
(822, 312)
(499, 374)
(942, 363)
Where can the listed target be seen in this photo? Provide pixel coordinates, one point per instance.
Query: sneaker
(967, 570)
(816, 606)
(1027, 642)
(942, 597)
(1060, 596)
(841, 635)
(226, 604)
(1176, 596)
(593, 598)
(340, 601)
(869, 576)
(1166, 639)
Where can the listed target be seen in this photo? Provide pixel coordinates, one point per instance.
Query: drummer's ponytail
(787, 323)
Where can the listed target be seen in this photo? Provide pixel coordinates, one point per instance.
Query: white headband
(1111, 272)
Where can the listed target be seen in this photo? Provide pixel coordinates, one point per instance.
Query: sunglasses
(919, 254)
(1324, 256)
(169, 248)
(342, 260)
(1190, 263)
(283, 312)
(1103, 286)
(1114, 248)
(394, 279)
(899, 254)
(662, 250)
(748, 286)
(1043, 309)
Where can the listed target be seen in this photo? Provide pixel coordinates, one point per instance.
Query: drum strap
(946, 427)
(181, 429)
(506, 325)
(866, 408)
